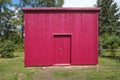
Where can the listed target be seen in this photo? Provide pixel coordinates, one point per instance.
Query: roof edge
(62, 9)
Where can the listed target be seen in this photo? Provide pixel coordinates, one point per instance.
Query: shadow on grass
(115, 58)
(15, 56)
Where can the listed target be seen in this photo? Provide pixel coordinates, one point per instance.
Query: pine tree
(108, 17)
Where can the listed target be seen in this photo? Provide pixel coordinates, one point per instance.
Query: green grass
(108, 69)
(13, 69)
(107, 53)
(62, 74)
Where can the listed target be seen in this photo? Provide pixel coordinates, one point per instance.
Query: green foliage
(6, 26)
(16, 37)
(59, 3)
(4, 3)
(41, 3)
(108, 17)
(113, 43)
(20, 47)
(10, 36)
(109, 26)
(110, 42)
(6, 49)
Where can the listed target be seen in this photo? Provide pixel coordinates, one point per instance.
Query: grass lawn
(13, 69)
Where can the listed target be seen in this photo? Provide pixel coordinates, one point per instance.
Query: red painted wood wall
(61, 36)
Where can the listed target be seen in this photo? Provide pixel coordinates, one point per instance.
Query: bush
(6, 49)
(102, 43)
(113, 43)
(110, 42)
(20, 47)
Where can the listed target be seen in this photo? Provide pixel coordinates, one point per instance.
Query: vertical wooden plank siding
(41, 25)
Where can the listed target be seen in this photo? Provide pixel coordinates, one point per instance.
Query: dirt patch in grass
(62, 72)
(21, 76)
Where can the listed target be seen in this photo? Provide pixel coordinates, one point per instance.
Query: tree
(4, 3)
(6, 25)
(109, 26)
(5, 17)
(108, 17)
(18, 21)
(41, 3)
(6, 29)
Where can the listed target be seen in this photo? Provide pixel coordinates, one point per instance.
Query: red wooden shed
(61, 36)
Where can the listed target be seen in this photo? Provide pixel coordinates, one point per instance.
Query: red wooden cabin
(61, 36)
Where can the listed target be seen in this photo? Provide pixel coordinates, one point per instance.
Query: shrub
(102, 43)
(110, 42)
(20, 47)
(6, 49)
(113, 43)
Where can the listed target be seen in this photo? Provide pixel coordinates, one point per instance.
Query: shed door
(62, 49)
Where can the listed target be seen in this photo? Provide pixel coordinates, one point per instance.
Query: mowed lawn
(13, 69)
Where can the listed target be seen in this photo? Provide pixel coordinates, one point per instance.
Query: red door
(62, 50)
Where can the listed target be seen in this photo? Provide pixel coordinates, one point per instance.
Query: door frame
(64, 34)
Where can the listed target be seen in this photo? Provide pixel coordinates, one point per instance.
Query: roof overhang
(61, 9)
